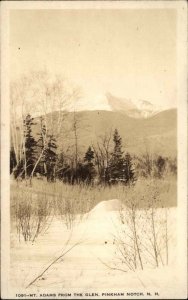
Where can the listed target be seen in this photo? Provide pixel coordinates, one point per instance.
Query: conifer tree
(89, 156)
(89, 169)
(41, 145)
(29, 145)
(50, 158)
(116, 162)
(86, 169)
(129, 174)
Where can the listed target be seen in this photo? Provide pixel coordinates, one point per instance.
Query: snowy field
(93, 264)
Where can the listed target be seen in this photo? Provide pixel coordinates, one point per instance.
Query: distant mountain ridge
(156, 134)
(109, 102)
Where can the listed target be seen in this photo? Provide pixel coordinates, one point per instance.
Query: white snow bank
(107, 205)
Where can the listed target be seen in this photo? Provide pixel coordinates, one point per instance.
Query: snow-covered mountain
(120, 104)
(146, 108)
(109, 102)
(135, 109)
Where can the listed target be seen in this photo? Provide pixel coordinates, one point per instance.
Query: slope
(157, 134)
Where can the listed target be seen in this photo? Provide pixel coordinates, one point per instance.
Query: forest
(106, 163)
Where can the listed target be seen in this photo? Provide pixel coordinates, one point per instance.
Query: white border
(181, 7)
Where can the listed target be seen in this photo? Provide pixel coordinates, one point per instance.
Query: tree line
(41, 158)
(104, 162)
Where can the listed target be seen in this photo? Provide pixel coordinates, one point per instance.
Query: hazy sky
(130, 53)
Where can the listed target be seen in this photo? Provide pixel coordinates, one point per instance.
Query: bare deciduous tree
(40, 95)
(102, 151)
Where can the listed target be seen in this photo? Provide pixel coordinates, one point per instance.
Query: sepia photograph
(94, 151)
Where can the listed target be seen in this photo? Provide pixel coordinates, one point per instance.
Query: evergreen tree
(116, 162)
(41, 144)
(86, 170)
(129, 174)
(50, 158)
(89, 156)
(30, 145)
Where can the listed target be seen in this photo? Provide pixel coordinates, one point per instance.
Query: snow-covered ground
(90, 266)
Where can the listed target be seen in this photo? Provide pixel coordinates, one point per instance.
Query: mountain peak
(136, 109)
(109, 102)
(120, 104)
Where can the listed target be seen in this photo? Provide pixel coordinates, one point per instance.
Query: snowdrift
(107, 206)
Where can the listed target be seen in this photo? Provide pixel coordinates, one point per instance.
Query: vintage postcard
(93, 149)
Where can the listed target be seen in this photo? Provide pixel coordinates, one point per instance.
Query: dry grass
(142, 233)
(31, 212)
(32, 208)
